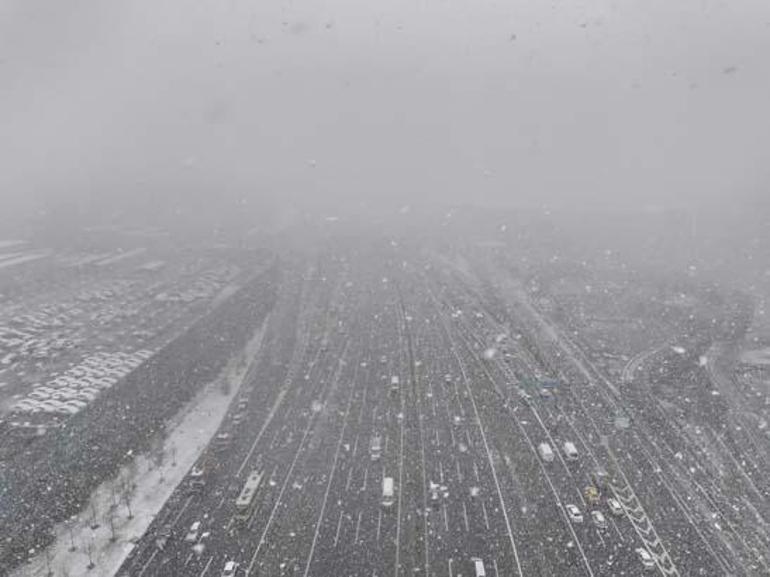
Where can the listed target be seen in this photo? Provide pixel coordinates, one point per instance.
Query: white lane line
(332, 472)
(424, 499)
(182, 510)
(446, 519)
(206, 568)
(449, 562)
(358, 527)
(486, 517)
(350, 477)
(337, 534)
(147, 564)
(465, 518)
(491, 461)
(366, 476)
(305, 435)
(271, 414)
(296, 359)
(379, 524)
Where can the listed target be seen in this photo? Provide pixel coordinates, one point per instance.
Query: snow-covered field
(152, 480)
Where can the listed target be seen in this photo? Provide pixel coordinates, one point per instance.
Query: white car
(39, 395)
(599, 519)
(76, 403)
(50, 406)
(85, 396)
(192, 534)
(615, 507)
(67, 410)
(26, 406)
(574, 513)
(647, 561)
(230, 568)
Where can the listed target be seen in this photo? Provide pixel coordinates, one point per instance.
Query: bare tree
(49, 571)
(93, 522)
(89, 552)
(70, 526)
(111, 521)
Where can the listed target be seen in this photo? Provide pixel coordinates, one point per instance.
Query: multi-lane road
(388, 349)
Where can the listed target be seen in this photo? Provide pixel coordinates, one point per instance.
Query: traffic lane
(480, 376)
(505, 436)
(673, 528)
(278, 454)
(229, 494)
(292, 533)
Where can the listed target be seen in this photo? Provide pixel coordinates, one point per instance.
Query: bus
(245, 501)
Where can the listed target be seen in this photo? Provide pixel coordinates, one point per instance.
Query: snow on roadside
(153, 484)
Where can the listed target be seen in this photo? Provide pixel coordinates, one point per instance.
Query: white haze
(654, 102)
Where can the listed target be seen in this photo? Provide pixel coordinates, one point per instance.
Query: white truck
(387, 492)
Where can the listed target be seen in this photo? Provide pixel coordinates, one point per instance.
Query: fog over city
(431, 288)
(526, 102)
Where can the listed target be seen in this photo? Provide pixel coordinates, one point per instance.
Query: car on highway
(591, 495)
(222, 441)
(435, 497)
(648, 563)
(614, 506)
(478, 567)
(574, 513)
(230, 569)
(570, 451)
(545, 451)
(375, 448)
(387, 492)
(193, 532)
(39, 395)
(600, 521)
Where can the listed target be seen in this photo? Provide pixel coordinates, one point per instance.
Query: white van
(375, 448)
(387, 492)
(570, 451)
(478, 565)
(395, 385)
(546, 453)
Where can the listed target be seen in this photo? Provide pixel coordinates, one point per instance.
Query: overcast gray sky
(466, 100)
